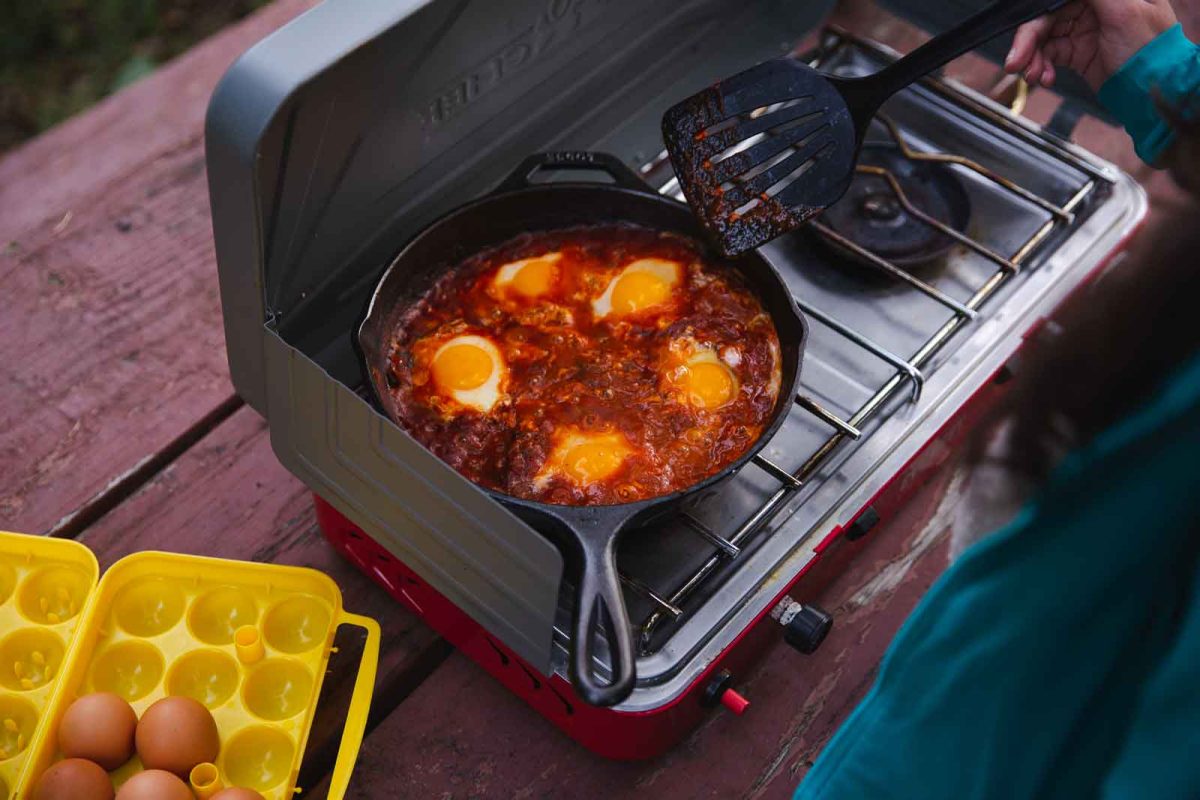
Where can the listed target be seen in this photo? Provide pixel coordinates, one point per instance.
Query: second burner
(873, 215)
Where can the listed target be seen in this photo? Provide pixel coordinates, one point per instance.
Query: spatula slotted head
(760, 153)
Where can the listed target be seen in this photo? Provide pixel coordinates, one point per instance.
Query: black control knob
(805, 626)
(720, 690)
(720, 683)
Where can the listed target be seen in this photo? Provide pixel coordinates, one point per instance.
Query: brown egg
(154, 784)
(176, 734)
(73, 779)
(236, 793)
(98, 727)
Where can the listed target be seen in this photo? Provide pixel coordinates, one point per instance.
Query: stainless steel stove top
(893, 356)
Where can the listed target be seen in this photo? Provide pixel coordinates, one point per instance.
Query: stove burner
(874, 217)
(880, 207)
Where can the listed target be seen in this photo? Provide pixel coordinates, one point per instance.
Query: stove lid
(338, 137)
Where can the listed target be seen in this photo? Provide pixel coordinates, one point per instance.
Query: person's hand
(1092, 37)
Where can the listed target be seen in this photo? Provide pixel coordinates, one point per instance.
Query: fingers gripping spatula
(762, 152)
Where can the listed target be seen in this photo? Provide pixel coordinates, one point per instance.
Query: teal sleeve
(1056, 658)
(1167, 70)
(1164, 736)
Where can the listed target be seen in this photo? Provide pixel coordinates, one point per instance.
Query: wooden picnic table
(119, 427)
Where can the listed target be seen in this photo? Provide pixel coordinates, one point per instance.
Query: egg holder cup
(249, 641)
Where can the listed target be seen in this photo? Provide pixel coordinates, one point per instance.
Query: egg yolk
(709, 385)
(462, 366)
(536, 277)
(637, 290)
(594, 460)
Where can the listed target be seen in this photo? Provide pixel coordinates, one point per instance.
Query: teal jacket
(1060, 656)
(1164, 72)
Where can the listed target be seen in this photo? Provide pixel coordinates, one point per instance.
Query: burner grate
(670, 608)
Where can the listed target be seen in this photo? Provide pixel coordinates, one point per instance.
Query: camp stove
(341, 135)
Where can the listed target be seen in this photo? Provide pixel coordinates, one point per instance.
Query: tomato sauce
(574, 365)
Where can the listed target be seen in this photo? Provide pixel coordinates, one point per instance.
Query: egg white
(776, 382)
(565, 441)
(670, 272)
(506, 274)
(695, 354)
(485, 396)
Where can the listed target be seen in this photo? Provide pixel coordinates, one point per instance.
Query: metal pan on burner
(587, 534)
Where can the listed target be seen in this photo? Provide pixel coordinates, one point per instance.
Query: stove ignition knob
(719, 690)
(804, 626)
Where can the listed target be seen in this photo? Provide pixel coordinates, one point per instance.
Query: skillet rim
(626, 513)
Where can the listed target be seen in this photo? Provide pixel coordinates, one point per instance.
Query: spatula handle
(994, 20)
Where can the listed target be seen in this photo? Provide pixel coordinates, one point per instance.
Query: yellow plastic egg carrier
(44, 586)
(249, 641)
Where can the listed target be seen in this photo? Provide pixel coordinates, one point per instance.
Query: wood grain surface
(111, 345)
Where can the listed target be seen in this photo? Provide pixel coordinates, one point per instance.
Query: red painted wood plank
(111, 344)
(461, 735)
(58, 171)
(229, 497)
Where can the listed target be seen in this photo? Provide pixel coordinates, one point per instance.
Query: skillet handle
(614, 167)
(600, 603)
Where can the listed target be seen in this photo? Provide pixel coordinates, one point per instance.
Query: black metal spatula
(760, 153)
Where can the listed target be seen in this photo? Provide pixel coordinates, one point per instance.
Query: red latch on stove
(734, 702)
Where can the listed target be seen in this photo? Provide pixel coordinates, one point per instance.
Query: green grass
(57, 57)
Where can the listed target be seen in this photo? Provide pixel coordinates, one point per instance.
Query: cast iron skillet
(588, 534)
